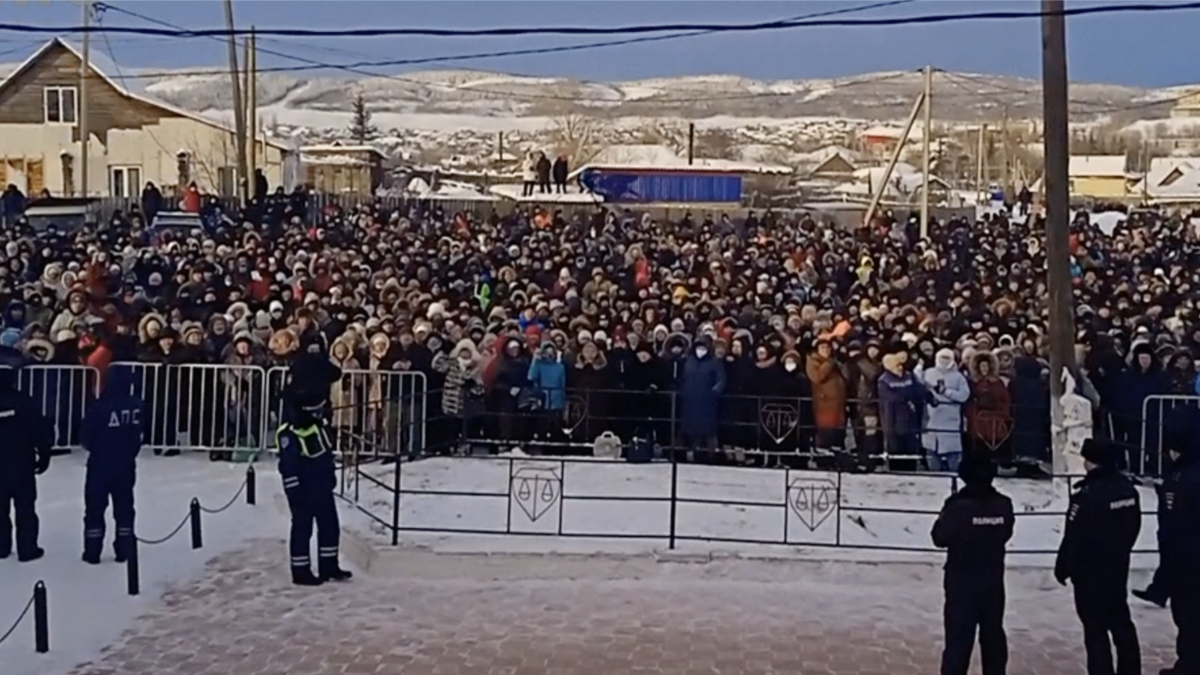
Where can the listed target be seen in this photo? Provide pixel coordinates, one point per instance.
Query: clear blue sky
(1146, 50)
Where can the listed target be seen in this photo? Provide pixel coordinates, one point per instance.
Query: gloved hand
(43, 464)
(1061, 576)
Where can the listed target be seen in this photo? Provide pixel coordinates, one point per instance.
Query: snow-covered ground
(88, 606)
(596, 506)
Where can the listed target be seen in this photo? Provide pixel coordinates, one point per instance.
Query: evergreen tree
(361, 129)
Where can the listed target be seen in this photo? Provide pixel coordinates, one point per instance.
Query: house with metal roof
(133, 138)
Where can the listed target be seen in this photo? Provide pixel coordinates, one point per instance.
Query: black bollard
(41, 619)
(133, 584)
(251, 496)
(194, 516)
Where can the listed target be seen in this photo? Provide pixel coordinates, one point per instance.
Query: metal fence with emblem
(670, 504)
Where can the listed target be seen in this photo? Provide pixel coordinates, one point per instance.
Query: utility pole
(691, 143)
(878, 190)
(1004, 156)
(239, 113)
(1058, 276)
(252, 110)
(925, 152)
(979, 164)
(84, 154)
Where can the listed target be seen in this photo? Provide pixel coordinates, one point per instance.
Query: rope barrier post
(133, 583)
(41, 618)
(251, 495)
(194, 518)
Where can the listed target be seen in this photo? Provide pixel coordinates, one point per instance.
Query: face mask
(789, 366)
(701, 352)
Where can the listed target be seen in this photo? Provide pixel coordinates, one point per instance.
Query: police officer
(307, 468)
(1103, 522)
(975, 524)
(26, 437)
(112, 434)
(1180, 555)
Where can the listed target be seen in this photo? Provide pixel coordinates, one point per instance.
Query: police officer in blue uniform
(1179, 539)
(26, 437)
(307, 468)
(1103, 522)
(974, 526)
(112, 434)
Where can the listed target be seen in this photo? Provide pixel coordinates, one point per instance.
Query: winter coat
(1030, 395)
(701, 384)
(828, 391)
(460, 381)
(549, 377)
(901, 403)
(989, 411)
(948, 391)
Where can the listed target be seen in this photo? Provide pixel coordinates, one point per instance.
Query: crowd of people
(720, 337)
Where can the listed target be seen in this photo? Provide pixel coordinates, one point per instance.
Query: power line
(558, 49)
(1094, 107)
(318, 65)
(929, 19)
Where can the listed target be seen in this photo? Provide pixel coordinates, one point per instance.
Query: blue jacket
(901, 404)
(701, 384)
(113, 426)
(549, 377)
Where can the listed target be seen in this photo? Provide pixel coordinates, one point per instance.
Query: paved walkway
(540, 615)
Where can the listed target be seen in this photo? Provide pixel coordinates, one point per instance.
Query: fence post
(251, 496)
(674, 497)
(133, 584)
(194, 517)
(41, 619)
(397, 478)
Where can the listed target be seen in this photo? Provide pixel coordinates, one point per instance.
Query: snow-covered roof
(647, 157)
(448, 190)
(1097, 166)
(891, 132)
(516, 193)
(338, 146)
(1163, 171)
(331, 160)
(109, 71)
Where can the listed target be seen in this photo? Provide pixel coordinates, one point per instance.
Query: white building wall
(152, 149)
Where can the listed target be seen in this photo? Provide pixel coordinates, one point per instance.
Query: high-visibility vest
(313, 443)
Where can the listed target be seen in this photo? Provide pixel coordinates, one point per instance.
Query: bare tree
(579, 137)
(716, 144)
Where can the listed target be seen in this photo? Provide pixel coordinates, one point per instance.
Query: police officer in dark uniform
(1180, 554)
(307, 468)
(1103, 522)
(26, 437)
(974, 526)
(112, 434)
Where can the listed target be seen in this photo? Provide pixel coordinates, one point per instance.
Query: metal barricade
(200, 407)
(63, 393)
(374, 413)
(1156, 411)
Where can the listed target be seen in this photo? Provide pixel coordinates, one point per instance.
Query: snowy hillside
(877, 96)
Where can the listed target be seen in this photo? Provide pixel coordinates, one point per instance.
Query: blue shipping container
(662, 187)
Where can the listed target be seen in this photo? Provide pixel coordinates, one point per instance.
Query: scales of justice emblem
(536, 490)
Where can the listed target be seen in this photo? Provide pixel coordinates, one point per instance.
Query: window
(61, 105)
(227, 180)
(124, 181)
